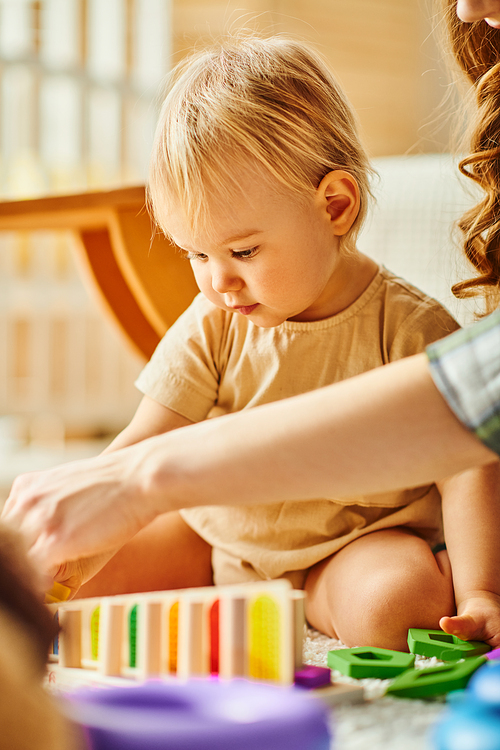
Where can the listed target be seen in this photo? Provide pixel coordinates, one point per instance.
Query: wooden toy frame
(253, 630)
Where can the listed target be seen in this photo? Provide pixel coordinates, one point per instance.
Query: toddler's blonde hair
(269, 103)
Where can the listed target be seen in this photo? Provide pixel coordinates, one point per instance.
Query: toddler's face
(268, 256)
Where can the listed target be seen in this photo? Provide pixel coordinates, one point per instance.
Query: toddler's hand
(477, 619)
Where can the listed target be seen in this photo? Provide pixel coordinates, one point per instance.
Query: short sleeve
(466, 369)
(182, 373)
(410, 319)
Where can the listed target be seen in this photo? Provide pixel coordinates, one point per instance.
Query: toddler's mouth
(245, 309)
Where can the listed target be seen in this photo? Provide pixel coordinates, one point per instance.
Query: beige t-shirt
(213, 362)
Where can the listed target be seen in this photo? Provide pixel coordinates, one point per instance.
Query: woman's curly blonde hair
(476, 48)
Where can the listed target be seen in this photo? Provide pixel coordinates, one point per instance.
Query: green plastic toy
(443, 646)
(370, 662)
(423, 683)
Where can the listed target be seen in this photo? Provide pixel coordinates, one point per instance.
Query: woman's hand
(84, 508)
(79, 509)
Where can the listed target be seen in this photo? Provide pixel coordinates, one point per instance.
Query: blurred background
(79, 84)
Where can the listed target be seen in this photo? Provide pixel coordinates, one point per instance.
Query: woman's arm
(385, 429)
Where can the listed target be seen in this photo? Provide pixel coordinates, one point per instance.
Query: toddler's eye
(244, 253)
(195, 256)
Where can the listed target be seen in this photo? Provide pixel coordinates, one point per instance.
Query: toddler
(259, 177)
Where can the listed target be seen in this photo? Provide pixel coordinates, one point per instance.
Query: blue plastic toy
(200, 714)
(472, 721)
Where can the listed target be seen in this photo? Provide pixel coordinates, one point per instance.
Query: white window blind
(78, 94)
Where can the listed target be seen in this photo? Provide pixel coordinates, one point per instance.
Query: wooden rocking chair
(143, 281)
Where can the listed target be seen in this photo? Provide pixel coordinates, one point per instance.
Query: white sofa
(411, 228)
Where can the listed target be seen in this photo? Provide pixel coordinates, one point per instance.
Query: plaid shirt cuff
(466, 369)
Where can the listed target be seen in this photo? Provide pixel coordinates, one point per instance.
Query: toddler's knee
(372, 599)
(416, 597)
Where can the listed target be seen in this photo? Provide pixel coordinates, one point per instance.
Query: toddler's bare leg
(167, 554)
(377, 587)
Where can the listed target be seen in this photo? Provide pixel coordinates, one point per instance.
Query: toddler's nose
(224, 281)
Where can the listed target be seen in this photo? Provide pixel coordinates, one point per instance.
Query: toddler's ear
(338, 194)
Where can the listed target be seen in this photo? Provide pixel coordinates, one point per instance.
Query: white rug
(382, 723)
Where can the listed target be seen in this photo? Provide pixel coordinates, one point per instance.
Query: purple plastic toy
(313, 677)
(199, 714)
(493, 655)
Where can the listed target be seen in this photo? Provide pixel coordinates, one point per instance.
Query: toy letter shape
(442, 645)
(419, 683)
(370, 662)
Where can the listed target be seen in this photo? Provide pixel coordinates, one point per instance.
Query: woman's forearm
(386, 429)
